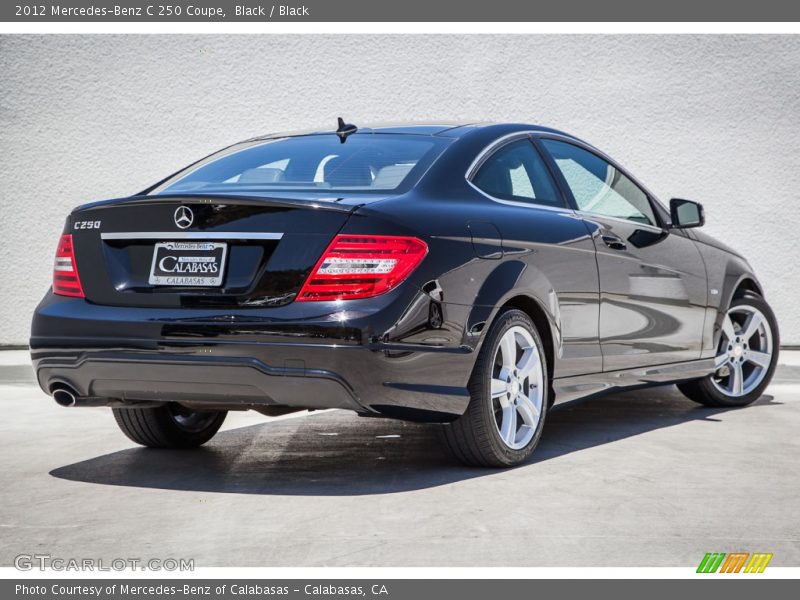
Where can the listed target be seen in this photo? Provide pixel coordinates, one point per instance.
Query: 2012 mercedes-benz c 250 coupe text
(469, 276)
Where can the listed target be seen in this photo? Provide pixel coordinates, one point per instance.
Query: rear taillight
(66, 281)
(362, 266)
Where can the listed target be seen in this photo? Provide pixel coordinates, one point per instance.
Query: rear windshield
(365, 162)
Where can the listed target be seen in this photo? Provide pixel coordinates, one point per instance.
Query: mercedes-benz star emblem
(184, 217)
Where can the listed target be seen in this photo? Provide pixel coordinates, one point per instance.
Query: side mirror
(686, 214)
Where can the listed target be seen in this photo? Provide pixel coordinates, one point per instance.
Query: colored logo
(737, 562)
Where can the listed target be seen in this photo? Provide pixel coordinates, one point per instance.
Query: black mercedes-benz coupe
(469, 276)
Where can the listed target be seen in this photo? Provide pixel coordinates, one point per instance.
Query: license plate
(188, 264)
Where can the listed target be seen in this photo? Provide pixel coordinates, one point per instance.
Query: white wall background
(713, 118)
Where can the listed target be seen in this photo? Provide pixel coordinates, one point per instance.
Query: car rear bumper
(234, 381)
(141, 355)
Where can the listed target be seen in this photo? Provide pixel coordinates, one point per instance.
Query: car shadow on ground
(336, 453)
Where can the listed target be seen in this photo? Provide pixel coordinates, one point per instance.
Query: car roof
(439, 129)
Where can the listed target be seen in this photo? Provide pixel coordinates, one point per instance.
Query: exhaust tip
(64, 397)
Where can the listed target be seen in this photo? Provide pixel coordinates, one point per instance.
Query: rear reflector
(65, 270)
(362, 266)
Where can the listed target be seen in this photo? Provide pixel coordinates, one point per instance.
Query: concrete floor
(643, 478)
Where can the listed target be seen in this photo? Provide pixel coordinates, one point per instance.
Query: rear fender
(509, 280)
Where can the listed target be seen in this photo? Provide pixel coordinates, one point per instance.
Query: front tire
(169, 426)
(508, 387)
(746, 356)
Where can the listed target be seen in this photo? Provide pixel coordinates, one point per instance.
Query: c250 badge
(86, 225)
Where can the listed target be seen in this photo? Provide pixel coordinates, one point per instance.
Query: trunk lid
(191, 250)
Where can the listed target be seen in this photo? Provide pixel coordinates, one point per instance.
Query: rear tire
(169, 426)
(747, 355)
(508, 387)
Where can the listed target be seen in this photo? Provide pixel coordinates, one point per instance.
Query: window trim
(496, 145)
(655, 205)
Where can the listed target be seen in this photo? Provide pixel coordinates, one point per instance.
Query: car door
(652, 280)
(539, 230)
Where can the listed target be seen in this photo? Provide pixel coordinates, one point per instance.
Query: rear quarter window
(518, 173)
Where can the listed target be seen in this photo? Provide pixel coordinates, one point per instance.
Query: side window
(517, 172)
(599, 187)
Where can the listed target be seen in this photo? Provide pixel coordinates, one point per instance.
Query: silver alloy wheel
(745, 351)
(517, 388)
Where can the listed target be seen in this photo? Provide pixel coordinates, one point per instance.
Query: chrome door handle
(614, 242)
